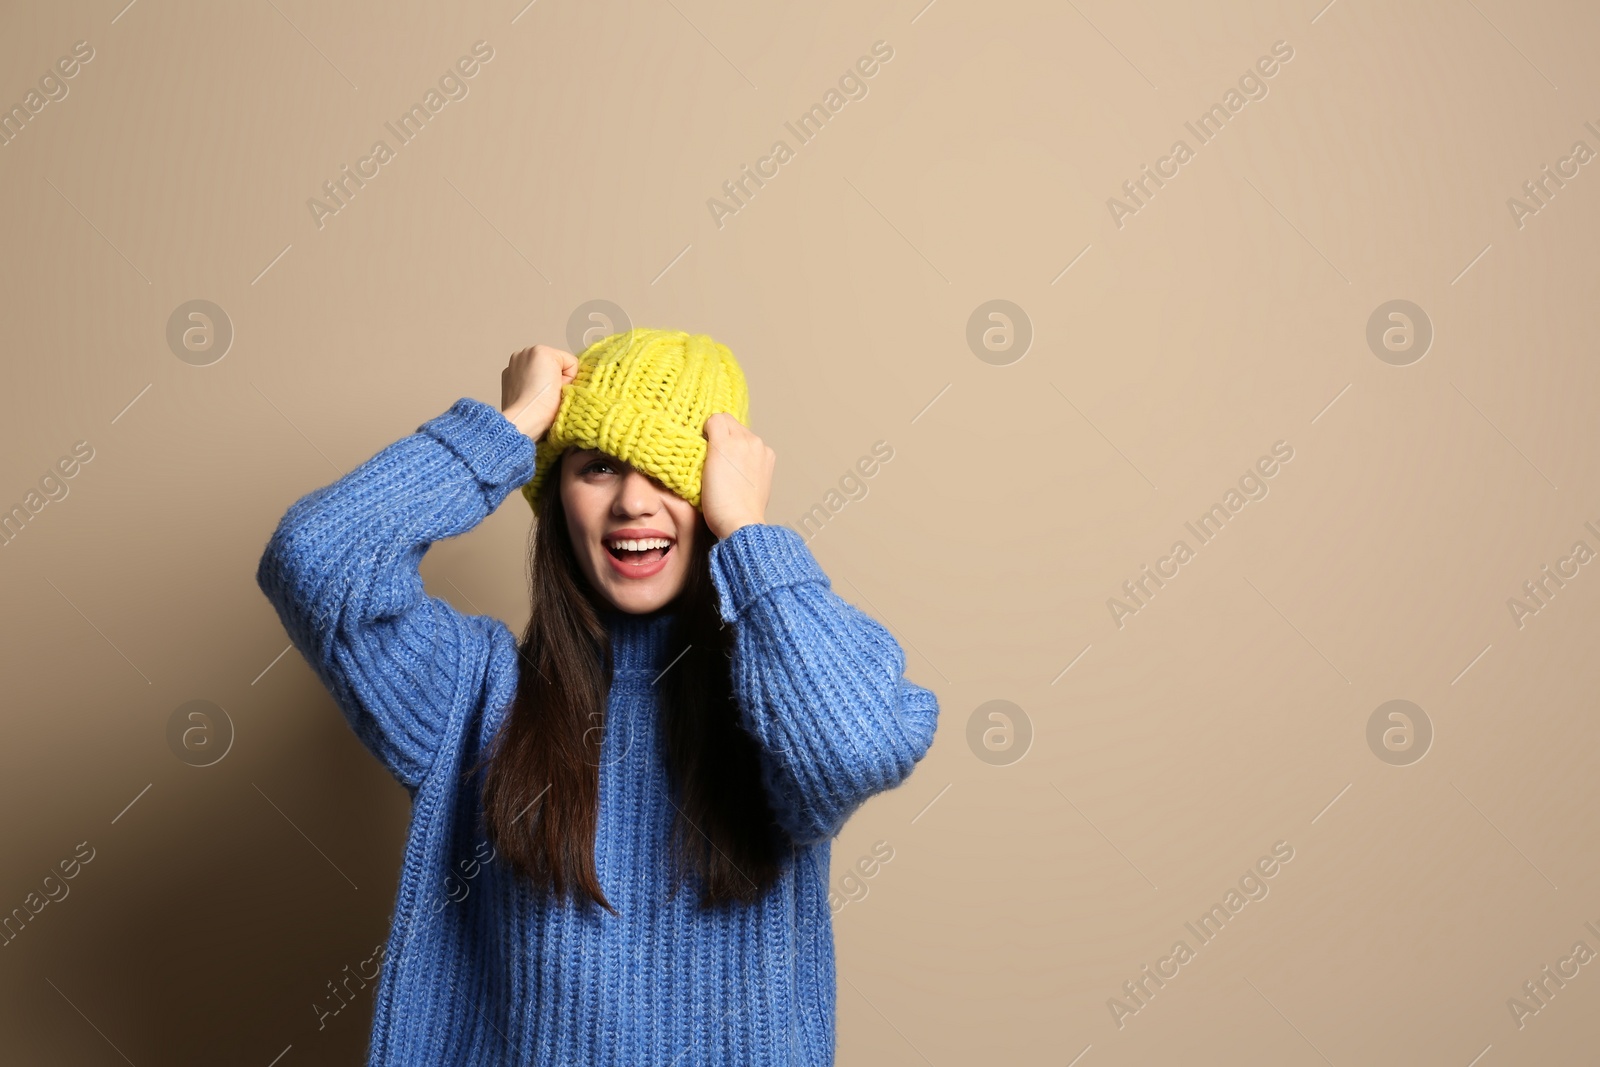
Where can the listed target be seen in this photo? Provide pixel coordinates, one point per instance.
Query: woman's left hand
(737, 478)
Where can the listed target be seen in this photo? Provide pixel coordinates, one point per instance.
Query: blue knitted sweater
(479, 968)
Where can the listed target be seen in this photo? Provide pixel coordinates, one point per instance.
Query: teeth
(641, 544)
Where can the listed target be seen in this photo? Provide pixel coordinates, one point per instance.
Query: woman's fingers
(737, 479)
(530, 387)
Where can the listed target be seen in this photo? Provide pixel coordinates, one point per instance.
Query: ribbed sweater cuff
(499, 455)
(756, 558)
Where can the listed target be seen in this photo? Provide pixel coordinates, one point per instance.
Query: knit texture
(644, 395)
(479, 968)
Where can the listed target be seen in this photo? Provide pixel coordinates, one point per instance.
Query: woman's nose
(637, 495)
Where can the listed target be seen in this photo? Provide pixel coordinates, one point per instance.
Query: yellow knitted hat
(644, 396)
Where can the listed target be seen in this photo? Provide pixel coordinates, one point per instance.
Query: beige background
(1229, 313)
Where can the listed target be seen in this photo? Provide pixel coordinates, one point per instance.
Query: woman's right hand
(530, 387)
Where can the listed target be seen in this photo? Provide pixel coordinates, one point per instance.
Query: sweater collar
(640, 642)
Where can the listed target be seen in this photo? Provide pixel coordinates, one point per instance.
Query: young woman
(621, 824)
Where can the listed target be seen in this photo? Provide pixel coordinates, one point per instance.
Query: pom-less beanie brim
(644, 395)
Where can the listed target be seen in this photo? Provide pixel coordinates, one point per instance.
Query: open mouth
(642, 551)
(639, 551)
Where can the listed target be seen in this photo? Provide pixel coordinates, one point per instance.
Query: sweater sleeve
(820, 684)
(341, 570)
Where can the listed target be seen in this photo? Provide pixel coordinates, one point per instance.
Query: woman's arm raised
(341, 569)
(820, 683)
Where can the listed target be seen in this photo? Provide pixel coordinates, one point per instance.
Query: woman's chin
(645, 595)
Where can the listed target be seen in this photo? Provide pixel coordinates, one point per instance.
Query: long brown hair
(541, 784)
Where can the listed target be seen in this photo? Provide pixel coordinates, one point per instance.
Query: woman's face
(609, 505)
